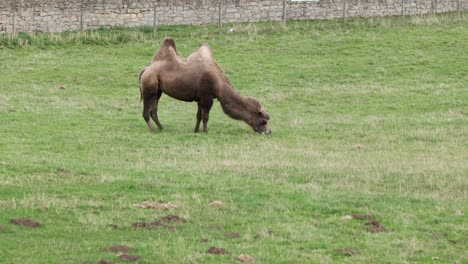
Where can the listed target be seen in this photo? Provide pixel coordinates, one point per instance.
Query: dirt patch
(346, 252)
(216, 251)
(372, 225)
(63, 171)
(245, 259)
(204, 240)
(233, 235)
(104, 261)
(346, 218)
(362, 217)
(159, 223)
(173, 218)
(2, 228)
(360, 146)
(438, 236)
(156, 206)
(216, 204)
(152, 225)
(129, 258)
(118, 248)
(62, 87)
(375, 227)
(25, 222)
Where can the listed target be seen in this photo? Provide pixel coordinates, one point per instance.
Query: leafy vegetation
(369, 119)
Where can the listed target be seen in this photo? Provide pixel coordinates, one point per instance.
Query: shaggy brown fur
(199, 79)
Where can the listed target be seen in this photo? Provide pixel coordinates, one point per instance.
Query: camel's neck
(234, 104)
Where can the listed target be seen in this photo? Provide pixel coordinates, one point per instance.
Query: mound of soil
(152, 225)
(245, 259)
(159, 223)
(347, 252)
(25, 222)
(173, 218)
(104, 261)
(129, 258)
(375, 227)
(233, 235)
(216, 251)
(118, 248)
(63, 171)
(216, 204)
(361, 217)
(156, 206)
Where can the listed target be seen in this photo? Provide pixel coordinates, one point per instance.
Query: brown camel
(197, 79)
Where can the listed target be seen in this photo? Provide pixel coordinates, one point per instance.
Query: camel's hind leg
(154, 110)
(147, 105)
(150, 94)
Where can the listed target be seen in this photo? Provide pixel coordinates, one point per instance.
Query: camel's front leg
(199, 118)
(206, 103)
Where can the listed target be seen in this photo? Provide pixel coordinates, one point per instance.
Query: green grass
(399, 91)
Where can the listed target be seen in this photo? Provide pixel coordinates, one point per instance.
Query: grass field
(368, 118)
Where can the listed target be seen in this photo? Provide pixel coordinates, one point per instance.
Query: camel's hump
(168, 51)
(169, 42)
(204, 53)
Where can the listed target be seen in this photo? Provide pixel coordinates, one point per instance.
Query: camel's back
(187, 81)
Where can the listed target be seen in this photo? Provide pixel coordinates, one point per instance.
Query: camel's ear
(263, 114)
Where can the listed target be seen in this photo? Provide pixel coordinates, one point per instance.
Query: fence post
(220, 18)
(344, 10)
(285, 13)
(403, 11)
(458, 10)
(155, 20)
(81, 15)
(13, 24)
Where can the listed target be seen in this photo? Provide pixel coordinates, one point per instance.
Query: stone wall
(62, 15)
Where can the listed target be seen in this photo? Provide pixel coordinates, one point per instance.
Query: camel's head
(261, 123)
(258, 119)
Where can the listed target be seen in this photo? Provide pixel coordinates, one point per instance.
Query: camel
(197, 79)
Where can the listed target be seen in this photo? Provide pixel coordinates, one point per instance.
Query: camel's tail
(139, 84)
